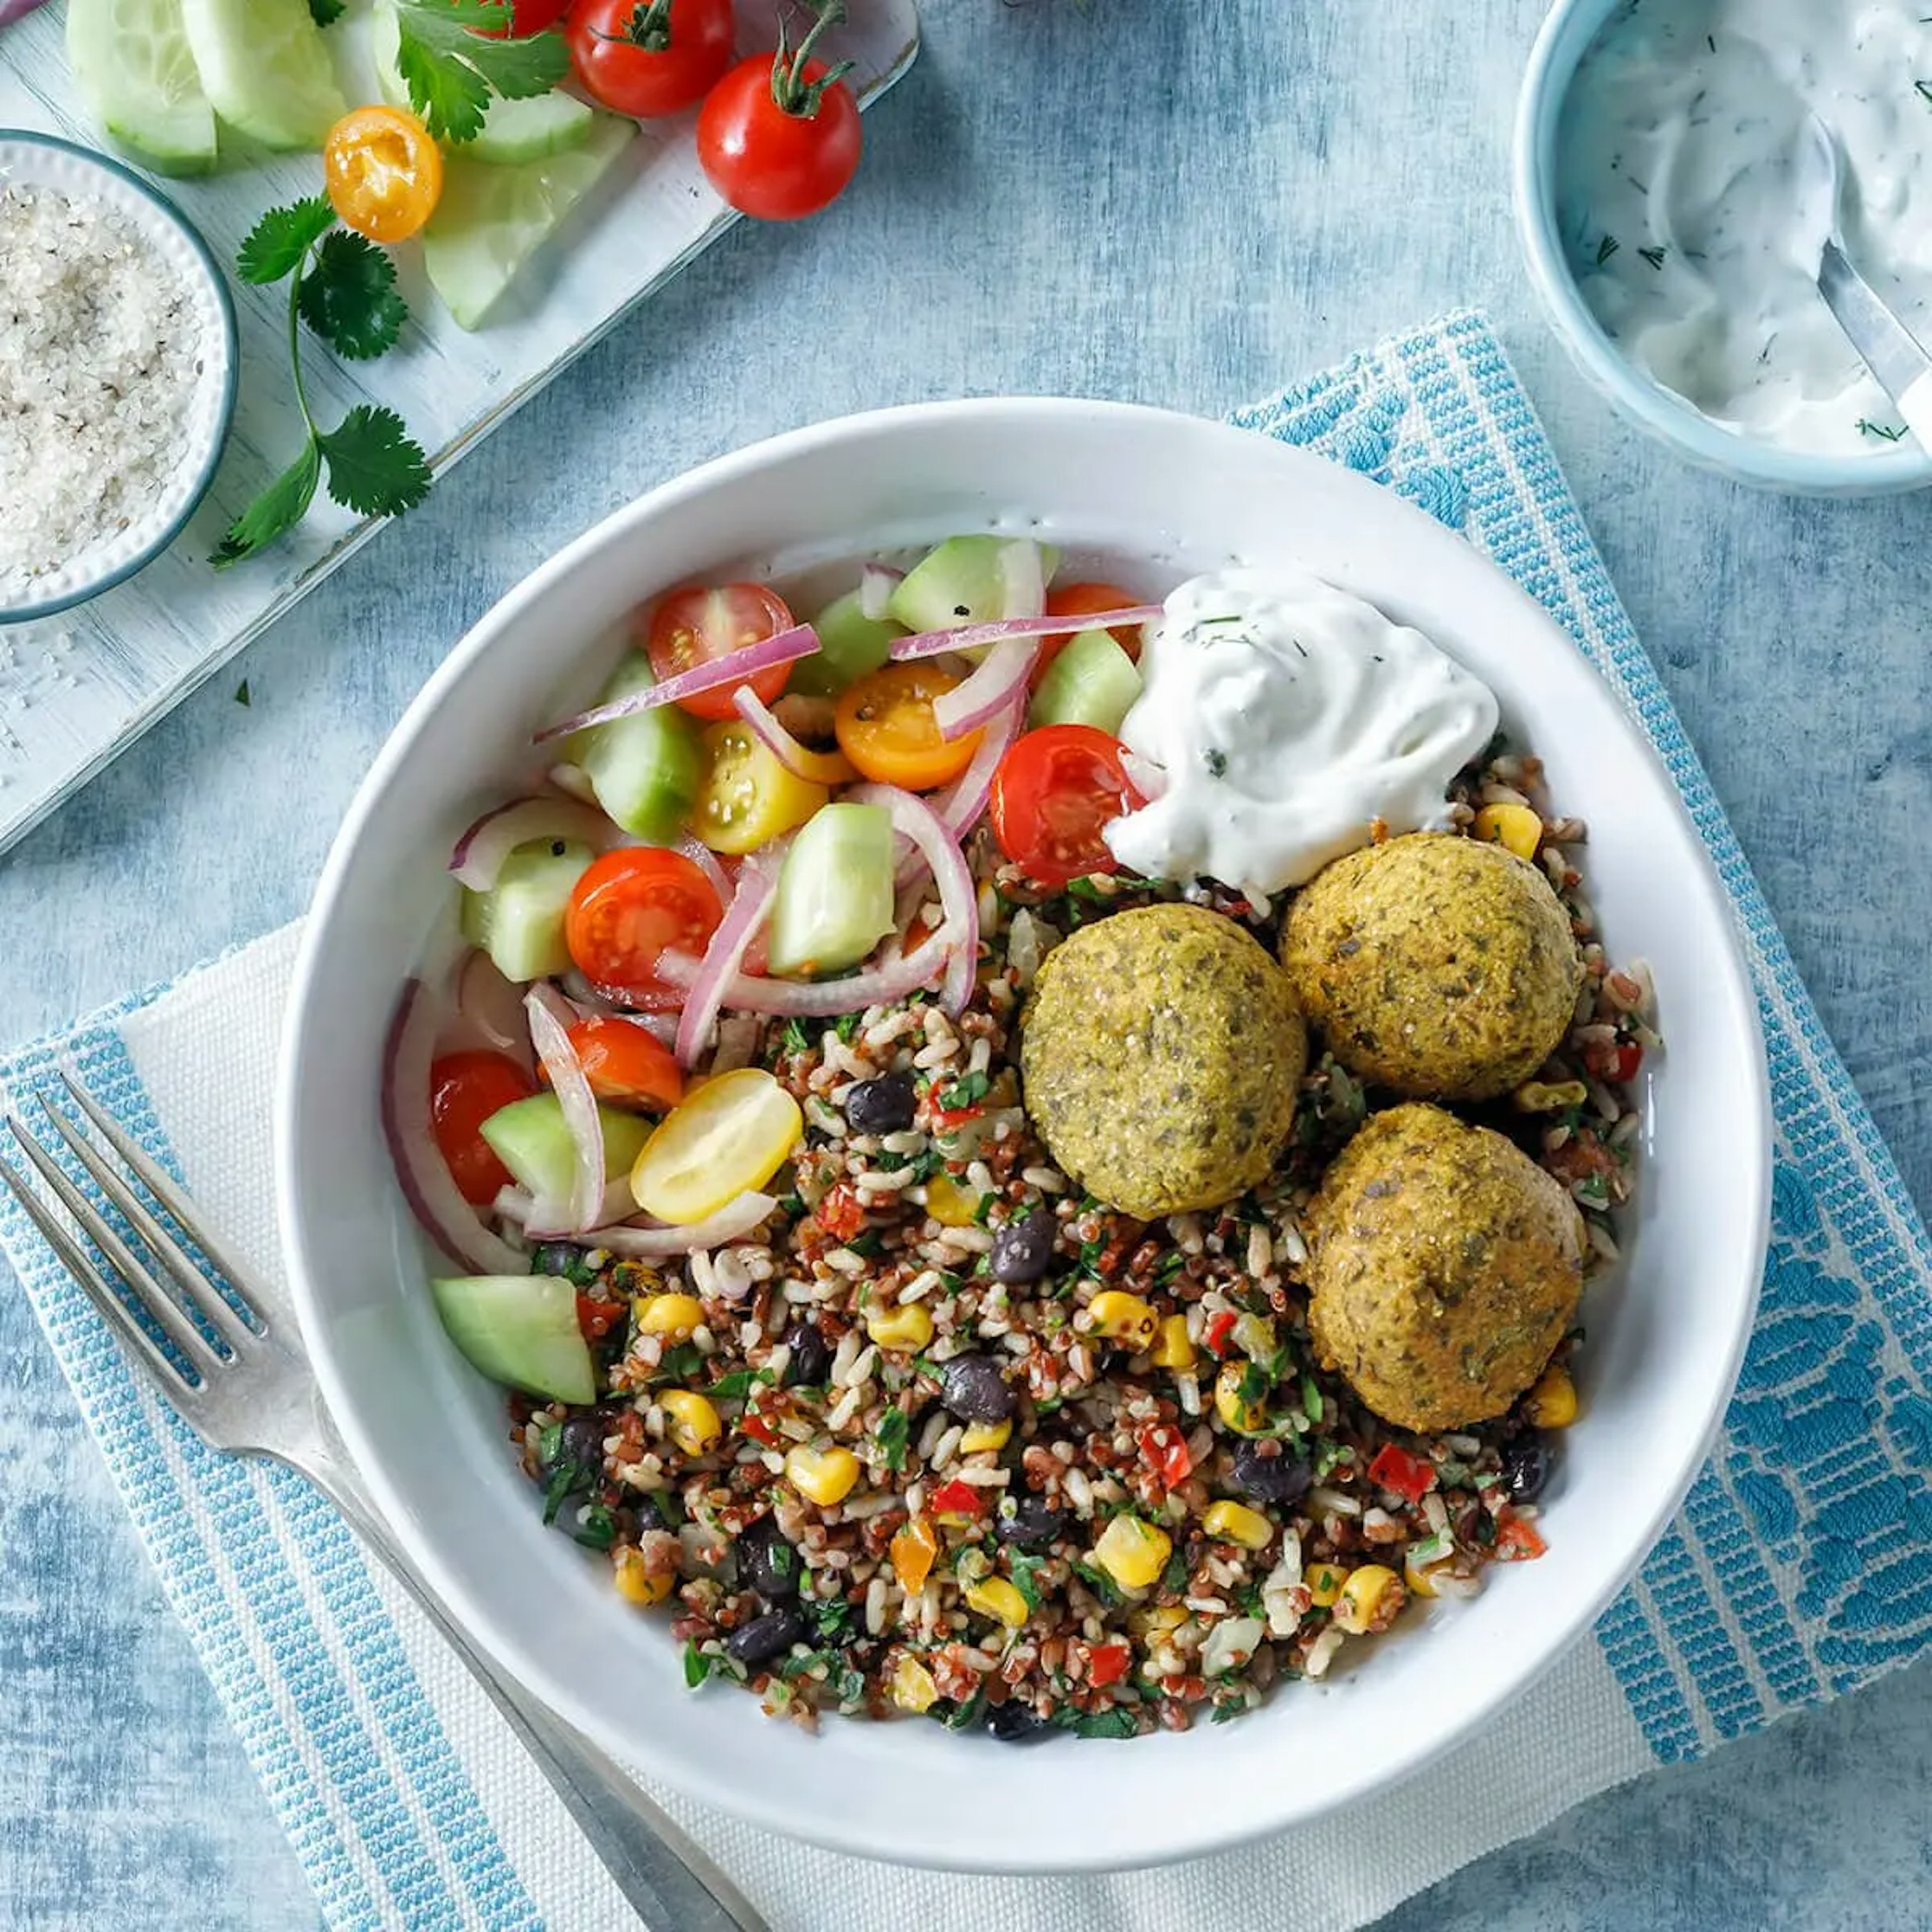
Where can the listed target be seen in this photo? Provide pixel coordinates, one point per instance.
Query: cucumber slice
(512, 131)
(645, 769)
(1092, 682)
(967, 580)
(519, 921)
(492, 219)
(849, 644)
(834, 897)
(530, 1137)
(520, 1329)
(267, 69)
(131, 61)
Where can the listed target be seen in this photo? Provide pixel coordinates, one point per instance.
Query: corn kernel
(951, 1203)
(1122, 1317)
(634, 1584)
(822, 1476)
(1419, 1577)
(1173, 1348)
(995, 1598)
(1548, 1097)
(1157, 1619)
(1514, 827)
(1132, 1552)
(1361, 1597)
(1244, 1416)
(676, 1317)
(1254, 1336)
(1324, 1582)
(692, 1423)
(908, 1328)
(914, 1549)
(983, 1435)
(1235, 1522)
(1551, 1404)
(912, 1686)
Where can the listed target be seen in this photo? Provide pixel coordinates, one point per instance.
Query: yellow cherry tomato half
(384, 172)
(728, 1136)
(886, 727)
(748, 798)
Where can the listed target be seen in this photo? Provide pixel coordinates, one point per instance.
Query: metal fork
(250, 1391)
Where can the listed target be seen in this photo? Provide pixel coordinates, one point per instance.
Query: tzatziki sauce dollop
(1694, 206)
(1285, 717)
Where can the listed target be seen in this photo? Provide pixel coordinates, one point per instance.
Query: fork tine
(197, 1295)
(158, 1303)
(74, 1258)
(168, 1192)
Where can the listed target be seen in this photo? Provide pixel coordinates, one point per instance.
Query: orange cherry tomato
(886, 727)
(1086, 600)
(465, 1089)
(698, 625)
(630, 908)
(383, 172)
(627, 1065)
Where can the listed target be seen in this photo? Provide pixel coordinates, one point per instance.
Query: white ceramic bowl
(1149, 498)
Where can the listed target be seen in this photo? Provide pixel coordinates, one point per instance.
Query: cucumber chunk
(530, 1137)
(267, 69)
(493, 218)
(519, 921)
(834, 897)
(850, 645)
(645, 769)
(520, 1329)
(512, 131)
(968, 581)
(1092, 682)
(130, 60)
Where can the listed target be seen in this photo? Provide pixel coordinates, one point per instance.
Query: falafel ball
(1440, 966)
(1443, 1267)
(1159, 1057)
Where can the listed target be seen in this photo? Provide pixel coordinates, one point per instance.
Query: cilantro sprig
(344, 288)
(454, 54)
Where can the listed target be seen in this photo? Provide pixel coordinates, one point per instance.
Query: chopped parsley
(834, 1619)
(1215, 759)
(894, 1429)
(1867, 427)
(1102, 1585)
(1114, 1723)
(1174, 1576)
(795, 1038)
(847, 1027)
(740, 1381)
(679, 1362)
(1227, 1709)
(968, 1090)
(1606, 248)
(1026, 1573)
(696, 1666)
(1654, 257)
(596, 1529)
(963, 1716)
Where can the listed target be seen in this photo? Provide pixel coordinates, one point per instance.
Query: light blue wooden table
(1179, 203)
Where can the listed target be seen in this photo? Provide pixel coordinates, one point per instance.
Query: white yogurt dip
(1286, 717)
(1693, 210)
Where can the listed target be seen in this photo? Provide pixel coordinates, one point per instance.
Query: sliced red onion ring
(958, 899)
(750, 905)
(480, 852)
(550, 1020)
(733, 668)
(11, 11)
(1022, 572)
(433, 1197)
(825, 768)
(493, 1009)
(552, 1220)
(971, 637)
(731, 1222)
(707, 862)
(877, 583)
(824, 999)
(961, 808)
(997, 682)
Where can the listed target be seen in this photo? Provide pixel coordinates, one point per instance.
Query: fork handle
(670, 1881)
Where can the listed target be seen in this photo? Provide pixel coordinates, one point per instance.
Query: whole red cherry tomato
(778, 137)
(649, 58)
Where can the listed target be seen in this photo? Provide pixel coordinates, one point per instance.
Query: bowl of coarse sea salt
(117, 365)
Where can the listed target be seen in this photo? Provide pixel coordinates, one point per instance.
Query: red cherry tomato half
(1086, 600)
(1055, 790)
(698, 625)
(626, 1065)
(649, 59)
(630, 908)
(465, 1089)
(773, 162)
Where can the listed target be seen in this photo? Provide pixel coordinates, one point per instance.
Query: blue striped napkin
(1800, 1568)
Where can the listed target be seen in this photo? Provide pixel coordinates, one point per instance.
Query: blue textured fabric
(1801, 1566)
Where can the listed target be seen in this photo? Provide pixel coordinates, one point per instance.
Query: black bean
(1016, 1723)
(1029, 1521)
(767, 1562)
(1022, 1250)
(764, 1639)
(1273, 1474)
(556, 1258)
(974, 1388)
(1528, 1462)
(885, 1105)
(811, 1356)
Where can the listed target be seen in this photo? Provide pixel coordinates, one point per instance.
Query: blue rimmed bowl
(1566, 37)
(37, 160)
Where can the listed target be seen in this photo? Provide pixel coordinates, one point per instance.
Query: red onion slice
(480, 852)
(877, 583)
(958, 897)
(494, 1009)
(732, 1223)
(550, 1020)
(733, 668)
(971, 637)
(433, 1197)
(825, 768)
(750, 905)
(553, 1220)
(11, 11)
(707, 861)
(960, 808)
(997, 681)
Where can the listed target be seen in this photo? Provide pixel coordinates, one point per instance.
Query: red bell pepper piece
(955, 1499)
(1407, 1476)
(1517, 1541)
(1165, 1448)
(1107, 1663)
